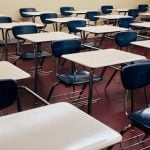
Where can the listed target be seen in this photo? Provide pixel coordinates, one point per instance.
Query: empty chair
(72, 26)
(125, 22)
(9, 94)
(24, 54)
(135, 76)
(44, 16)
(106, 9)
(64, 9)
(90, 15)
(143, 8)
(22, 10)
(123, 40)
(74, 77)
(134, 13)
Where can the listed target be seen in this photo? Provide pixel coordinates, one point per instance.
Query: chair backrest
(64, 9)
(44, 16)
(8, 93)
(60, 48)
(21, 10)
(4, 19)
(72, 25)
(123, 39)
(125, 22)
(24, 29)
(143, 7)
(133, 13)
(106, 9)
(90, 15)
(136, 75)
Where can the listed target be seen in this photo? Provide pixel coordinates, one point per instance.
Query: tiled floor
(109, 109)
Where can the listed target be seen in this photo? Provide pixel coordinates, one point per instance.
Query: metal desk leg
(90, 96)
(5, 47)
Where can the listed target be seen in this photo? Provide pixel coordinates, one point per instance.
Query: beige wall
(10, 8)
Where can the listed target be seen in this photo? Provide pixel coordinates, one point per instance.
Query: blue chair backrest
(90, 15)
(143, 7)
(106, 9)
(44, 16)
(8, 93)
(21, 10)
(4, 19)
(133, 13)
(72, 25)
(136, 75)
(123, 39)
(125, 22)
(64, 9)
(60, 48)
(24, 29)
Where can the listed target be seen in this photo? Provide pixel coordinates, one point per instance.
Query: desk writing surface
(102, 58)
(51, 36)
(10, 25)
(65, 19)
(141, 24)
(143, 43)
(112, 16)
(10, 71)
(37, 13)
(145, 14)
(102, 29)
(59, 126)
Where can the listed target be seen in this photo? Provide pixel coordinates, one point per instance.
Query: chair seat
(141, 119)
(31, 55)
(81, 77)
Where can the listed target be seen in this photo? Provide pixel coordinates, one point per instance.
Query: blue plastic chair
(44, 16)
(21, 10)
(125, 22)
(106, 9)
(143, 8)
(134, 13)
(27, 55)
(90, 16)
(133, 77)
(123, 39)
(74, 77)
(64, 9)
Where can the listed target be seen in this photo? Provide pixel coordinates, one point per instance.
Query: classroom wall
(11, 8)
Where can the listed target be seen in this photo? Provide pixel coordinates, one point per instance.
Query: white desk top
(10, 25)
(48, 36)
(10, 71)
(37, 13)
(141, 24)
(112, 17)
(145, 43)
(120, 9)
(102, 29)
(79, 11)
(102, 58)
(65, 19)
(58, 126)
(145, 14)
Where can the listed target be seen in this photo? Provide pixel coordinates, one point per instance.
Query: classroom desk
(5, 27)
(59, 126)
(10, 71)
(121, 10)
(141, 24)
(147, 14)
(64, 20)
(100, 58)
(112, 17)
(79, 12)
(36, 14)
(144, 43)
(101, 29)
(45, 37)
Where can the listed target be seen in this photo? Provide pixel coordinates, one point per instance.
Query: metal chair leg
(82, 90)
(52, 89)
(125, 129)
(114, 73)
(146, 99)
